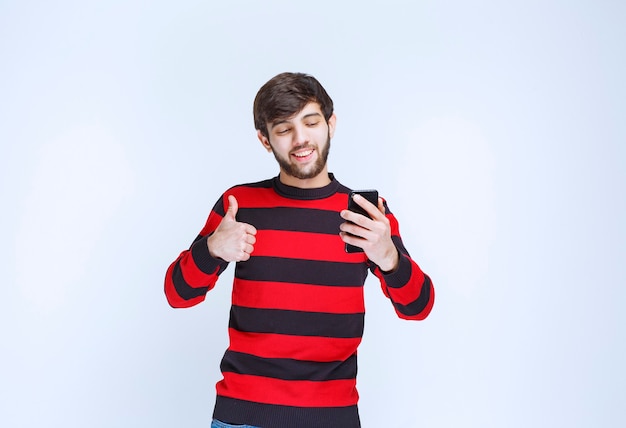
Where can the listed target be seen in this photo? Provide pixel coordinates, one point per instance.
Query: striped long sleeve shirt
(297, 311)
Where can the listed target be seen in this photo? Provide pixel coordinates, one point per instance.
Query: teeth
(303, 154)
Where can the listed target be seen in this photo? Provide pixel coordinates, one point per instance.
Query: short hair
(286, 94)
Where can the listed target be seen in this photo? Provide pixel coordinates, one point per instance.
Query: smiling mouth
(303, 154)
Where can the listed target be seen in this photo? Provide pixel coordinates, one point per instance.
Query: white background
(495, 130)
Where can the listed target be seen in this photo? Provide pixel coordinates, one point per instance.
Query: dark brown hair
(285, 95)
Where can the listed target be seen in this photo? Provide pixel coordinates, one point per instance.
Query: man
(297, 304)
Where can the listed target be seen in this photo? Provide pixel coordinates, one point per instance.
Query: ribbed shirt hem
(233, 411)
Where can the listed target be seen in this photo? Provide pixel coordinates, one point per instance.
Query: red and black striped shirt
(297, 306)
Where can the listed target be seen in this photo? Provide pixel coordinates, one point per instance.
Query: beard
(304, 173)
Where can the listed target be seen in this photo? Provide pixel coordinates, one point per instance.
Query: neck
(320, 180)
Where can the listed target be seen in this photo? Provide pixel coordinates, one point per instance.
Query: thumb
(233, 207)
(381, 205)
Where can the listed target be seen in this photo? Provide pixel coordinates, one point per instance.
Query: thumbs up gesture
(232, 241)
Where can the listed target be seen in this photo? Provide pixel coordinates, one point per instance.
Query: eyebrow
(306, 116)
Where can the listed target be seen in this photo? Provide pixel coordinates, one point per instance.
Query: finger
(352, 239)
(246, 253)
(249, 229)
(369, 208)
(250, 239)
(233, 207)
(246, 248)
(355, 218)
(355, 230)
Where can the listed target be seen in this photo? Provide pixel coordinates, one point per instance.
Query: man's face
(301, 144)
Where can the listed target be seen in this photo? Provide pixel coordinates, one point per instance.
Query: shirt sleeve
(409, 289)
(195, 271)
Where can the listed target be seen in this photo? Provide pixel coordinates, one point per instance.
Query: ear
(263, 139)
(332, 121)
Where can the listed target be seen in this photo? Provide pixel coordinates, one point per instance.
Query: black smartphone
(371, 196)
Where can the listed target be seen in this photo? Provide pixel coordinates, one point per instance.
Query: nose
(300, 136)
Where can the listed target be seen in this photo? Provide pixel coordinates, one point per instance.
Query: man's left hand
(373, 235)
